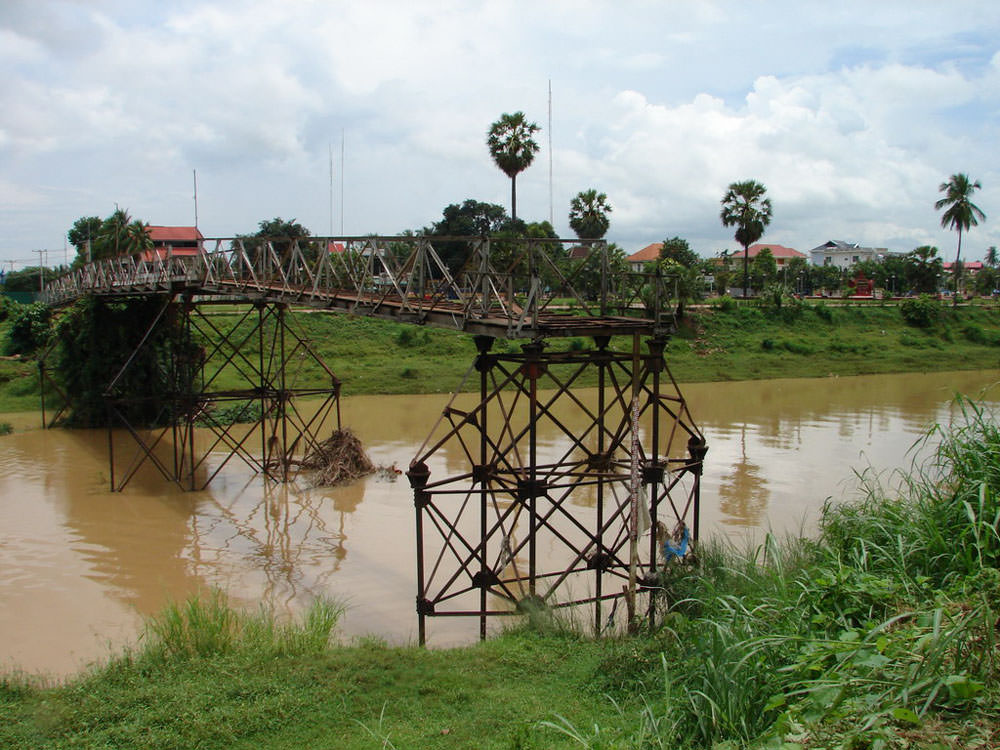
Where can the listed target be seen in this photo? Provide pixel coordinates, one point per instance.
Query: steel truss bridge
(568, 496)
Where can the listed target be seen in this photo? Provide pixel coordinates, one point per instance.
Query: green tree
(678, 249)
(795, 272)
(764, 269)
(682, 282)
(282, 234)
(923, 269)
(83, 233)
(746, 207)
(825, 277)
(27, 279)
(991, 256)
(588, 215)
(986, 281)
(28, 330)
(119, 234)
(470, 218)
(513, 149)
(960, 213)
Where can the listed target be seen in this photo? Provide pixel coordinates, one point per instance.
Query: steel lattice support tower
(559, 492)
(246, 364)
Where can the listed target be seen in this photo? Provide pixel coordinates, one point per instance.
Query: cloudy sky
(851, 113)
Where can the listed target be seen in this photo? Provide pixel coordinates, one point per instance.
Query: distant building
(175, 241)
(636, 261)
(781, 253)
(971, 267)
(844, 254)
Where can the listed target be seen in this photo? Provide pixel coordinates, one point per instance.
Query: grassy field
(804, 340)
(880, 633)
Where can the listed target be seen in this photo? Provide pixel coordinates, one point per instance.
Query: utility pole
(41, 268)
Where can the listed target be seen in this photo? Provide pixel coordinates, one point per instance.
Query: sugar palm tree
(513, 149)
(588, 215)
(960, 212)
(991, 256)
(746, 207)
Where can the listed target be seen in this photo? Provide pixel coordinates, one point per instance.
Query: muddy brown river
(81, 565)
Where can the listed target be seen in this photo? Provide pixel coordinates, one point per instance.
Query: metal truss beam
(505, 288)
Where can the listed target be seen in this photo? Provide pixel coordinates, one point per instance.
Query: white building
(844, 254)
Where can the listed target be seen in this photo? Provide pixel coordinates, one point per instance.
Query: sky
(850, 113)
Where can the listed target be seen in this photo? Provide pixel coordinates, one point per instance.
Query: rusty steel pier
(530, 492)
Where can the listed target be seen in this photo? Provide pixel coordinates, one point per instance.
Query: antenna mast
(551, 214)
(341, 181)
(195, 171)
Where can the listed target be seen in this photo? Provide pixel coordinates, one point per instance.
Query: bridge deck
(540, 292)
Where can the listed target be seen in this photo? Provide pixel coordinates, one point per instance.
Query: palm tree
(991, 256)
(960, 212)
(513, 149)
(745, 207)
(588, 215)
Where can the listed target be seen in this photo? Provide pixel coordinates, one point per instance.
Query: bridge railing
(510, 280)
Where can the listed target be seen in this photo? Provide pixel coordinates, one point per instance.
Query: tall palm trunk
(746, 270)
(513, 197)
(958, 270)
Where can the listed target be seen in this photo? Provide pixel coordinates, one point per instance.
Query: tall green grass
(880, 633)
(206, 626)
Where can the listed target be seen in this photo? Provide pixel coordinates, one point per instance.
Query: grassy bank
(880, 633)
(712, 343)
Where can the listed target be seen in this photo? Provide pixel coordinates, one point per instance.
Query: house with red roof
(184, 242)
(971, 267)
(636, 261)
(782, 255)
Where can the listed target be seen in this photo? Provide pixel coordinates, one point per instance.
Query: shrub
(920, 312)
(29, 328)
(725, 303)
(823, 312)
(977, 335)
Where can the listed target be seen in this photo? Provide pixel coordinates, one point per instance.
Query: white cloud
(850, 116)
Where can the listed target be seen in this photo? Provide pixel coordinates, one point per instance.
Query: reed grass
(204, 625)
(880, 633)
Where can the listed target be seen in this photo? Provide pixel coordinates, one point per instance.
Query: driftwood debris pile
(338, 459)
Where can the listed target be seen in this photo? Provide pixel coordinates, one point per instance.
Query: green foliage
(679, 251)
(588, 214)
(6, 428)
(725, 303)
(920, 312)
(28, 330)
(85, 230)
(923, 269)
(96, 338)
(512, 146)
(977, 335)
(763, 269)
(27, 279)
(239, 413)
(206, 626)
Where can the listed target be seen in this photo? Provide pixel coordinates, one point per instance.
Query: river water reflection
(82, 565)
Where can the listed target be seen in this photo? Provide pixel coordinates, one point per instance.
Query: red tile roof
(648, 253)
(168, 235)
(778, 251)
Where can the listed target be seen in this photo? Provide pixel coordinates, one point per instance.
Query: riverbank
(711, 344)
(878, 633)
